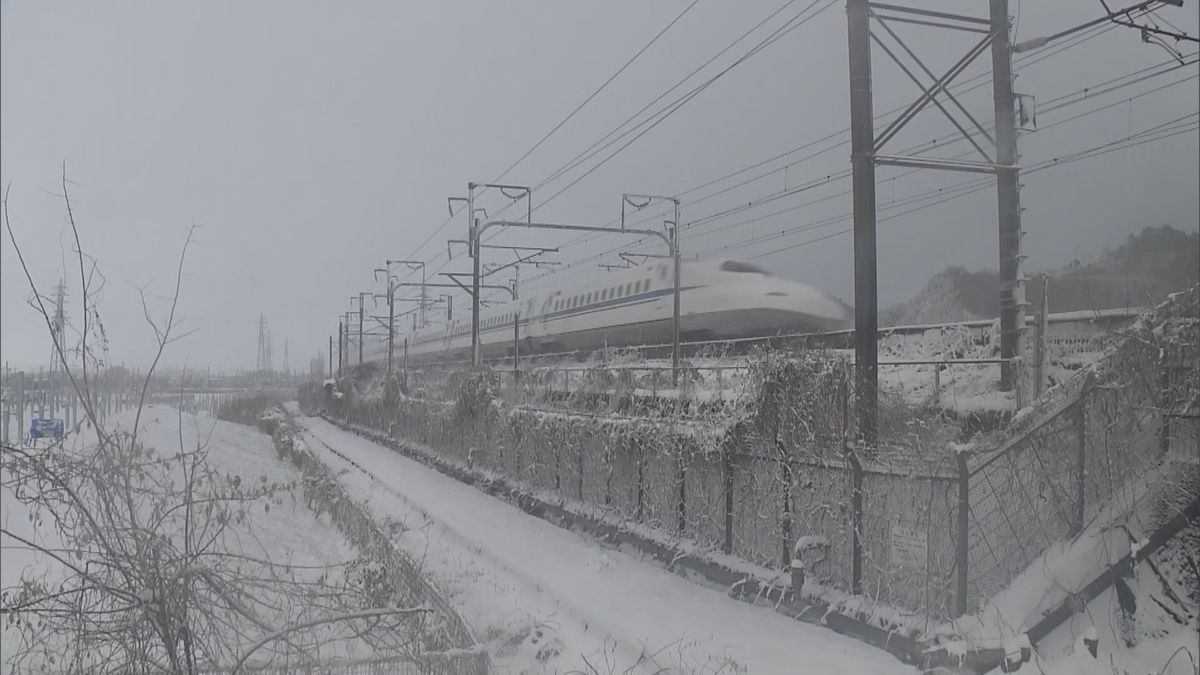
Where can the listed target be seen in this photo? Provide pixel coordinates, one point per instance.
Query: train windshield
(739, 266)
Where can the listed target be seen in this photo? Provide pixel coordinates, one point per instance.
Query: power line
(827, 180)
(566, 119)
(596, 92)
(660, 115)
(573, 162)
(1073, 41)
(1162, 132)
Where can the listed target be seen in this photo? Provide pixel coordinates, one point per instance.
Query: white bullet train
(719, 300)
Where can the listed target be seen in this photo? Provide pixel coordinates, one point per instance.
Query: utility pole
(392, 316)
(412, 265)
(361, 312)
(340, 338)
(331, 356)
(474, 231)
(638, 202)
(391, 300)
(473, 237)
(862, 164)
(1008, 198)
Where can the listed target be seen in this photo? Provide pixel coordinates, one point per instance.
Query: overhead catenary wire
(561, 123)
(1069, 99)
(1082, 37)
(1157, 133)
(607, 140)
(676, 105)
(1075, 40)
(1028, 60)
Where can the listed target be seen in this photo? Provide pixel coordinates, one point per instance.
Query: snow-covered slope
(549, 600)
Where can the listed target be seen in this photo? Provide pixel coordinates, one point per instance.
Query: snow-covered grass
(281, 530)
(550, 600)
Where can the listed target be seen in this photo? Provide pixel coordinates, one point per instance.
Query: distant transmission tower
(264, 346)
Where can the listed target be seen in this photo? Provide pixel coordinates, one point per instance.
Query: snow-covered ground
(286, 534)
(545, 599)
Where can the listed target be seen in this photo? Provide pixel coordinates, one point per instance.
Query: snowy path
(545, 599)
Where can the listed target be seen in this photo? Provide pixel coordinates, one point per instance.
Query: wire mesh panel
(1100, 444)
(660, 480)
(908, 536)
(454, 663)
(1021, 500)
(821, 507)
(705, 502)
(757, 495)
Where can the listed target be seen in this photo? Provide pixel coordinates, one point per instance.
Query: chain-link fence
(434, 663)
(1111, 437)
(921, 523)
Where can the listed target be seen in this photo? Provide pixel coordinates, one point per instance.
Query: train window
(626, 290)
(662, 272)
(739, 266)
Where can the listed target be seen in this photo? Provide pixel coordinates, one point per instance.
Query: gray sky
(310, 141)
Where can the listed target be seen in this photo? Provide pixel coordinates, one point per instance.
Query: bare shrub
(153, 571)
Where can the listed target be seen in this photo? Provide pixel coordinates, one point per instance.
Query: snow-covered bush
(150, 563)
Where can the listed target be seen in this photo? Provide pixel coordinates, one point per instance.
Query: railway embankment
(909, 537)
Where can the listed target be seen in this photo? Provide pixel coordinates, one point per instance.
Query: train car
(719, 300)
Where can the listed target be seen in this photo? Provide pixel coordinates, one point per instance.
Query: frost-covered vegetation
(741, 480)
(153, 544)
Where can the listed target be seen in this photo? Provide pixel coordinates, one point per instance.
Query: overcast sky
(310, 141)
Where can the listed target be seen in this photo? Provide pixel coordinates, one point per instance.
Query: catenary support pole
(516, 345)
(1008, 198)
(675, 300)
(392, 315)
(473, 226)
(862, 161)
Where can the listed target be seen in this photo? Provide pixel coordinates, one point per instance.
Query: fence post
(856, 507)
(641, 473)
(1164, 402)
(963, 543)
(682, 486)
(785, 557)
(21, 407)
(727, 467)
(1080, 460)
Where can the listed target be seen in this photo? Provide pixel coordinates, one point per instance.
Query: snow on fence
(745, 482)
(1114, 434)
(923, 524)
